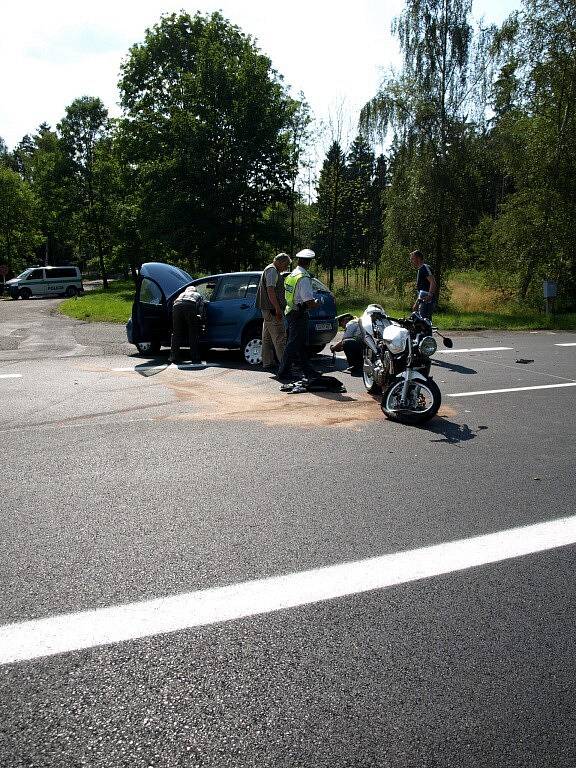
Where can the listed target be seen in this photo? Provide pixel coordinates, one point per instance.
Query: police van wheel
(25, 293)
(71, 291)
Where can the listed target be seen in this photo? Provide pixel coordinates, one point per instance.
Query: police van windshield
(23, 274)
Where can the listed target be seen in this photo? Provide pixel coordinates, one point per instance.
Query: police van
(46, 281)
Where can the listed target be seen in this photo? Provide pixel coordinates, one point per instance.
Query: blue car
(233, 320)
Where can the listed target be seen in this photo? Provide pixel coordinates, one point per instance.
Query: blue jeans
(425, 308)
(296, 351)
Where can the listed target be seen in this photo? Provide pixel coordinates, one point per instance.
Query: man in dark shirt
(425, 285)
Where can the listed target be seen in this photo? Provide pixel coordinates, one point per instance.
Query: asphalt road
(123, 483)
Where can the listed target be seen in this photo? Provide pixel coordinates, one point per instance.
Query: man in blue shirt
(425, 285)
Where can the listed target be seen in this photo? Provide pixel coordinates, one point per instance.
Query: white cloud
(54, 52)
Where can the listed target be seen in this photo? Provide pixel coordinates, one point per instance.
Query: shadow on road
(454, 367)
(449, 431)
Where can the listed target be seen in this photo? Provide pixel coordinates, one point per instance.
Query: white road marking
(571, 344)
(476, 349)
(511, 389)
(172, 366)
(10, 375)
(76, 631)
(142, 368)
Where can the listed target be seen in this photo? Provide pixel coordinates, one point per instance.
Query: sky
(335, 51)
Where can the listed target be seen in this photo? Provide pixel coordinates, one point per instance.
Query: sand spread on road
(226, 397)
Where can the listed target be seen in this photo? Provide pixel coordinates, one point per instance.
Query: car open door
(150, 321)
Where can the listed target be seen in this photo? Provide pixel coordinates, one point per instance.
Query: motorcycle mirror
(447, 342)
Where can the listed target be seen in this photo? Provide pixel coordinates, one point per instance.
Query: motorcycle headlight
(428, 346)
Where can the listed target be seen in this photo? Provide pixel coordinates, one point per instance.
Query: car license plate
(323, 326)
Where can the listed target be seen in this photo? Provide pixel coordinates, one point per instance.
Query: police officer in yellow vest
(299, 299)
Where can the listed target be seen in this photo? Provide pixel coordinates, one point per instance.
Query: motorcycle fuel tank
(395, 338)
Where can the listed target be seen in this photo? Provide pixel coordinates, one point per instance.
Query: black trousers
(296, 350)
(353, 351)
(185, 330)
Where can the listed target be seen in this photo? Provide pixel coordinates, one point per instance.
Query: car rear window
(318, 285)
(150, 293)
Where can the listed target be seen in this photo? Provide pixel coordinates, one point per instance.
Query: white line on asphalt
(172, 366)
(141, 368)
(10, 375)
(511, 389)
(76, 631)
(571, 344)
(476, 349)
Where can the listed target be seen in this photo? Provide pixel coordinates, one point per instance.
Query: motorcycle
(397, 364)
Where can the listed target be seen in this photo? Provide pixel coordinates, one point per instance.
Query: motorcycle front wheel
(422, 401)
(367, 377)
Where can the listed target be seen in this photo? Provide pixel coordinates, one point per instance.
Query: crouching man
(351, 342)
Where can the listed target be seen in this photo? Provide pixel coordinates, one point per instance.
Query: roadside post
(550, 292)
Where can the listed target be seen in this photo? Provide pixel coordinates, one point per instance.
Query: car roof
(229, 274)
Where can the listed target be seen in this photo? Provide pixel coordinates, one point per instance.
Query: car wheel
(25, 293)
(148, 347)
(71, 291)
(252, 347)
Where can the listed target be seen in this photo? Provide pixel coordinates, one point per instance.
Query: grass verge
(100, 306)
(115, 306)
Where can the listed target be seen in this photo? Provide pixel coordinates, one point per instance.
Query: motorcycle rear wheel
(424, 400)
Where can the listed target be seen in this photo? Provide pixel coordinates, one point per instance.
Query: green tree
(331, 243)
(47, 171)
(300, 135)
(377, 215)
(206, 129)
(429, 109)
(18, 233)
(357, 204)
(84, 135)
(534, 143)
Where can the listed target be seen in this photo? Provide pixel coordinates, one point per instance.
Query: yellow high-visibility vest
(290, 287)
